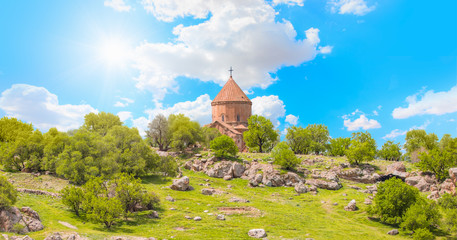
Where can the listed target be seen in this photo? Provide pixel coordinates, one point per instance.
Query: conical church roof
(231, 92)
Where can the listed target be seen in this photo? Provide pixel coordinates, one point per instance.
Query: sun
(114, 53)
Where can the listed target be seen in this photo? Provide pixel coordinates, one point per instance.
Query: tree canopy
(362, 148)
(261, 134)
(390, 151)
(224, 146)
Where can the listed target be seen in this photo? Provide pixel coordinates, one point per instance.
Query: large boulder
(12, 217)
(220, 169)
(453, 174)
(424, 183)
(257, 233)
(64, 236)
(324, 184)
(301, 188)
(351, 206)
(447, 187)
(238, 169)
(292, 179)
(359, 175)
(181, 184)
(397, 166)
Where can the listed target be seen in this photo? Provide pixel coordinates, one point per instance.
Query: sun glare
(114, 53)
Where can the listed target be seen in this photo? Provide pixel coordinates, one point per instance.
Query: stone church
(231, 110)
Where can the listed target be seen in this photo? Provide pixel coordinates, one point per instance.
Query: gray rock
(153, 214)
(169, 198)
(351, 206)
(397, 166)
(220, 217)
(181, 184)
(238, 169)
(28, 218)
(197, 218)
(220, 169)
(453, 174)
(208, 191)
(257, 233)
(301, 188)
(393, 232)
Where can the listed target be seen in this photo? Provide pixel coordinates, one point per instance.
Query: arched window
(223, 119)
(238, 117)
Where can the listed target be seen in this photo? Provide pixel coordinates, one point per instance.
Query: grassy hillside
(282, 213)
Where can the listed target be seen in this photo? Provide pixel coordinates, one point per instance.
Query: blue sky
(383, 66)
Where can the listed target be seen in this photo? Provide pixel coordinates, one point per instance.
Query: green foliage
(159, 132)
(298, 139)
(105, 210)
(362, 148)
(101, 122)
(168, 166)
(438, 161)
(423, 234)
(8, 194)
(284, 156)
(72, 197)
(319, 136)
(390, 151)
(393, 199)
(12, 128)
(449, 205)
(209, 134)
(447, 201)
(338, 146)
(224, 146)
(422, 214)
(185, 133)
(261, 134)
(55, 143)
(418, 138)
(25, 151)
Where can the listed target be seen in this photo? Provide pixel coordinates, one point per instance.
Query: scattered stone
(37, 192)
(172, 208)
(257, 233)
(181, 184)
(220, 217)
(153, 214)
(205, 211)
(187, 217)
(335, 204)
(301, 188)
(324, 184)
(351, 206)
(227, 177)
(198, 155)
(169, 198)
(229, 186)
(368, 201)
(235, 199)
(197, 218)
(345, 194)
(355, 187)
(393, 232)
(208, 191)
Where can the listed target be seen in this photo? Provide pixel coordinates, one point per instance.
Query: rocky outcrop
(329, 185)
(447, 186)
(361, 175)
(257, 233)
(220, 169)
(37, 192)
(397, 166)
(65, 236)
(423, 182)
(12, 217)
(181, 184)
(453, 175)
(301, 188)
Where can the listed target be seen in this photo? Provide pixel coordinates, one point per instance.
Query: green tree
(261, 133)
(362, 148)
(449, 205)
(390, 151)
(8, 194)
(101, 122)
(159, 132)
(423, 234)
(129, 192)
(422, 214)
(393, 199)
(168, 166)
(417, 140)
(185, 133)
(11, 128)
(438, 161)
(105, 210)
(224, 146)
(209, 134)
(338, 146)
(284, 156)
(73, 197)
(55, 143)
(319, 136)
(298, 139)
(26, 151)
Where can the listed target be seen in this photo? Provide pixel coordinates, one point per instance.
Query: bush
(362, 148)
(423, 234)
(393, 199)
(73, 198)
(390, 151)
(338, 146)
(421, 214)
(284, 156)
(8, 194)
(105, 210)
(224, 146)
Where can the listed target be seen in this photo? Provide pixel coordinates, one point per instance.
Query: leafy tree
(261, 133)
(438, 161)
(128, 191)
(55, 143)
(393, 199)
(338, 146)
(390, 151)
(159, 132)
(12, 128)
(419, 140)
(319, 136)
(185, 132)
(445, 141)
(284, 156)
(362, 148)
(8, 194)
(105, 210)
(298, 139)
(224, 146)
(423, 234)
(25, 151)
(449, 206)
(209, 134)
(73, 197)
(421, 214)
(101, 122)
(168, 166)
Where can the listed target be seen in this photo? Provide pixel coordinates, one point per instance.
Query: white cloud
(124, 102)
(289, 2)
(141, 124)
(451, 120)
(118, 5)
(375, 113)
(360, 123)
(270, 107)
(248, 92)
(124, 115)
(432, 103)
(291, 119)
(240, 33)
(394, 133)
(356, 7)
(326, 49)
(38, 106)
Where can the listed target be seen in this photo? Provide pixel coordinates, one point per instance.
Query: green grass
(282, 214)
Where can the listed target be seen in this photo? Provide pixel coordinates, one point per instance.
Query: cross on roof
(231, 70)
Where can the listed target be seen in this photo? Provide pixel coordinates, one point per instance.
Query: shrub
(105, 210)
(224, 146)
(362, 148)
(421, 214)
(423, 234)
(73, 198)
(390, 151)
(393, 199)
(338, 146)
(284, 156)
(8, 194)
